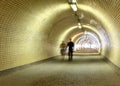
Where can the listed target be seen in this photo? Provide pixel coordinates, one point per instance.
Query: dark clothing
(70, 46)
(70, 49)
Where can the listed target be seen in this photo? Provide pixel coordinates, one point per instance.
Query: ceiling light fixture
(73, 5)
(79, 25)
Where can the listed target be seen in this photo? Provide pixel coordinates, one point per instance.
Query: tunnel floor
(82, 71)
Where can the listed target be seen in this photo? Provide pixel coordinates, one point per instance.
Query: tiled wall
(22, 36)
(30, 29)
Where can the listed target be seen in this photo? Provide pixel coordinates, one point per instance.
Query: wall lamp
(73, 4)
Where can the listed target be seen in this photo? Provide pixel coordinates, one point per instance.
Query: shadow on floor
(79, 60)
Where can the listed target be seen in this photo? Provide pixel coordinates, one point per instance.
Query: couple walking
(70, 46)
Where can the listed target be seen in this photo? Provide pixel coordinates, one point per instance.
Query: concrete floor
(82, 71)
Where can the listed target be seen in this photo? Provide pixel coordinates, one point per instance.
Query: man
(70, 46)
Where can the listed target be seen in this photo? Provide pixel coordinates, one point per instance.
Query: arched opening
(87, 43)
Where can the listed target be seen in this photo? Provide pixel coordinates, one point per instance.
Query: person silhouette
(70, 46)
(63, 49)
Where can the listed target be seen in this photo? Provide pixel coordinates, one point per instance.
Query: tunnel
(32, 30)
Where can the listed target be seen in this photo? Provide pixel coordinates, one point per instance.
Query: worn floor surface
(82, 71)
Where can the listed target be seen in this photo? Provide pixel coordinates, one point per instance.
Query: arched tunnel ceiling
(99, 11)
(68, 19)
(105, 8)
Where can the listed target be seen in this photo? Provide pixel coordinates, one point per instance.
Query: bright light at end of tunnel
(67, 31)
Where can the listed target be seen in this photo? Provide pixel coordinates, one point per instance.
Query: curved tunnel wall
(24, 31)
(108, 20)
(32, 30)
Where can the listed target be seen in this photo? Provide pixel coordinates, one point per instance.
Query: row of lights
(73, 4)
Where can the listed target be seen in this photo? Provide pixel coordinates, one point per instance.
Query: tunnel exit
(88, 43)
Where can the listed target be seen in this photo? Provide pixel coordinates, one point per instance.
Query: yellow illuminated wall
(25, 26)
(112, 29)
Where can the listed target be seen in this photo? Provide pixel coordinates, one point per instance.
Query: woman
(63, 49)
